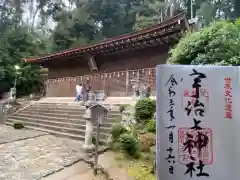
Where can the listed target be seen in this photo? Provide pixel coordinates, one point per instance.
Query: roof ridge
(155, 27)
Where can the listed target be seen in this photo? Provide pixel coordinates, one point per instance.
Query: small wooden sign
(98, 114)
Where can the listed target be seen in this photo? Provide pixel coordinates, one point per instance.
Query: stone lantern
(12, 93)
(88, 145)
(1, 112)
(95, 115)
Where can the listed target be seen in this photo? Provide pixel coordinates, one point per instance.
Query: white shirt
(79, 89)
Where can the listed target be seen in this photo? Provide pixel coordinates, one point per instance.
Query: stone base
(88, 148)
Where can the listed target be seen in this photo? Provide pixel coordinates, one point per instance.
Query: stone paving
(8, 134)
(31, 155)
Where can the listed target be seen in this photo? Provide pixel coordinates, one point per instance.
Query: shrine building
(111, 64)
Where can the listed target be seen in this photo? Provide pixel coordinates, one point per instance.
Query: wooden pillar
(127, 81)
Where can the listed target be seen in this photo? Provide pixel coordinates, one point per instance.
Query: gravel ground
(31, 155)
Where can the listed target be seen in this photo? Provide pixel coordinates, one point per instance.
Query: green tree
(75, 27)
(153, 14)
(217, 44)
(15, 44)
(116, 17)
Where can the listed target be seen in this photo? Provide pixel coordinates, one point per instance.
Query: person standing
(88, 86)
(79, 92)
(85, 91)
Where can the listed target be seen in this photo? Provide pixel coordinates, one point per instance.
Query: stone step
(64, 106)
(59, 105)
(67, 105)
(63, 115)
(33, 108)
(57, 129)
(62, 120)
(76, 107)
(56, 133)
(79, 121)
(68, 124)
(65, 112)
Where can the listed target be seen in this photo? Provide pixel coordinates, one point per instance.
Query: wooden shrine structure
(111, 64)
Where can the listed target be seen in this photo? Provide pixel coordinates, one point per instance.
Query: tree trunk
(237, 8)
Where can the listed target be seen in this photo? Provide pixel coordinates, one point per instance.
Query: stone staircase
(65, 119)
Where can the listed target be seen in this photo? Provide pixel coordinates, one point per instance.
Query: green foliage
(147, 141)
(141, 171)
(151, 126)
(217, 44)
(145, 109)
(18, 126)
(129, 144)
(16, 44)
(117, 130)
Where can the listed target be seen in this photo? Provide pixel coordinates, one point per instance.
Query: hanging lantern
(110, 75)
(149, 72)
(114, 74)
(122, 73)
(118, 74)
(133, 73)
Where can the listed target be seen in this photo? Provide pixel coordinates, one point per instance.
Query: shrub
(117, 130)
(145, 109)
(151, 126)
(147, 141)
(154, 104)
(129, 144)
(216, 44)
(18, 126)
